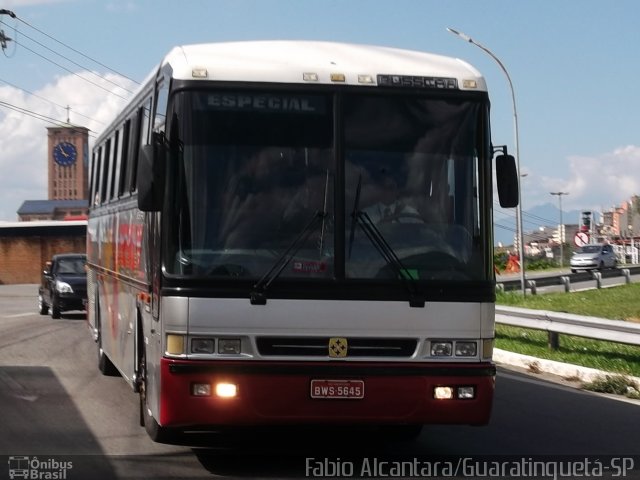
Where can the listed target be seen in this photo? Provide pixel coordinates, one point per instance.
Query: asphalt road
(54, 404)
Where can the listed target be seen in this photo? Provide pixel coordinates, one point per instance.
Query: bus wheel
(156, 432)
(105, 365)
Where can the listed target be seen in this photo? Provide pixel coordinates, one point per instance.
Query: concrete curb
(564, 370)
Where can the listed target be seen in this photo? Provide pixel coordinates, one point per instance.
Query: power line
(503, 227)
(75, 63)
(37, 116)
(49, 101)
(71, 72)
(76, 51)
(13, 15)
(535, 219)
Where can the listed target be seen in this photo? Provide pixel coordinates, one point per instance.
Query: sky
(573, 65)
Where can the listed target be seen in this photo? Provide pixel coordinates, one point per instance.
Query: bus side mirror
(150, 176)
(507, 180)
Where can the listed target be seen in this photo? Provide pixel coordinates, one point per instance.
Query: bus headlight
(441, 349)
(202, 345)
(466, 393)
(229, 346)
(226, 390)
(443, 393)
(201, 390)
(221, 389)
(466, 349)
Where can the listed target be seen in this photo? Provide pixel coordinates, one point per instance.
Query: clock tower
(68, 162)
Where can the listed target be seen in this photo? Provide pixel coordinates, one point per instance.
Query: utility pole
(519, 231)
(561, 226)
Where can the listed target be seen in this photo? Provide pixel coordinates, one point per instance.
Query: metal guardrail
(570, 324)
(557, 278)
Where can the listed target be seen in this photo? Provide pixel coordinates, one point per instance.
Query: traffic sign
(581, 239)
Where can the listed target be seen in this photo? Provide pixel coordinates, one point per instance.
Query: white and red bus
(298, 233)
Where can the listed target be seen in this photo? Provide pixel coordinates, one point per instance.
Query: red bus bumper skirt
(279, 393)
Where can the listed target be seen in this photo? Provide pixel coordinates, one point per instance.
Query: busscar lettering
(271, 103)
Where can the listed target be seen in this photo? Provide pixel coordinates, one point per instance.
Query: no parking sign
(581, 239)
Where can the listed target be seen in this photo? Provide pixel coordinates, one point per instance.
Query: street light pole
(519, 232)
(561, 226)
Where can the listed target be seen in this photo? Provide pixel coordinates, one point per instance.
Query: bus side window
(134, 148)
(92, 177)
(115, 168)
(124, 158)
(97, 176)
(162, 97)
(146, 120)
(105, 172)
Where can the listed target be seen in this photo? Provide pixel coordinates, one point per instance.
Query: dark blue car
(64, 285)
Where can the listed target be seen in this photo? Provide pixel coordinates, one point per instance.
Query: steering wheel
(398, 217)
(228, 269)
(438, 261)
(442, 260)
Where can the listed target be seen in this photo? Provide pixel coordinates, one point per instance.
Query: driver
(389, 206)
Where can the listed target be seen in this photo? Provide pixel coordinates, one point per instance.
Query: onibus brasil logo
(38, 469)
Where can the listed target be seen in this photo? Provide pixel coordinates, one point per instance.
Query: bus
(298, 233)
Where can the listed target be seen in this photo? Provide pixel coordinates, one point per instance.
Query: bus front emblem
(338, 347)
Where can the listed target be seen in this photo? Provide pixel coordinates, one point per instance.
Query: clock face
(64, 154)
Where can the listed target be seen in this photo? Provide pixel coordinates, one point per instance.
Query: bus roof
(289, 61)
(283, 61)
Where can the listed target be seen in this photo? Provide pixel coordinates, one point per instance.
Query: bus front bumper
(280, 393)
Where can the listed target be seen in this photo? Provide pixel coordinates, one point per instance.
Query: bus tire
(156, 432)
(105, 365)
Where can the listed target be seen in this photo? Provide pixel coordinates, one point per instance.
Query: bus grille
(319, 347)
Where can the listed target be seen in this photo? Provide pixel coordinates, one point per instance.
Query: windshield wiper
(257, 295)
(354, 214)
(416, 299)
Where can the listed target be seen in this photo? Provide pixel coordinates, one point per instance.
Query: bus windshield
(255, 168)
(411, 168)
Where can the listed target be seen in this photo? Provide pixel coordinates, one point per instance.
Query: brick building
(25, 247)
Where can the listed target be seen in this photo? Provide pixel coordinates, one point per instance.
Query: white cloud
(595, 182)
(23, 141)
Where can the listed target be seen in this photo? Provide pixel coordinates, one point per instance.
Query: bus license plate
(336, 389)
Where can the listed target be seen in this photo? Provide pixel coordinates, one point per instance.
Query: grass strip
(607, 356)
(621, 303)
(618, 303)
